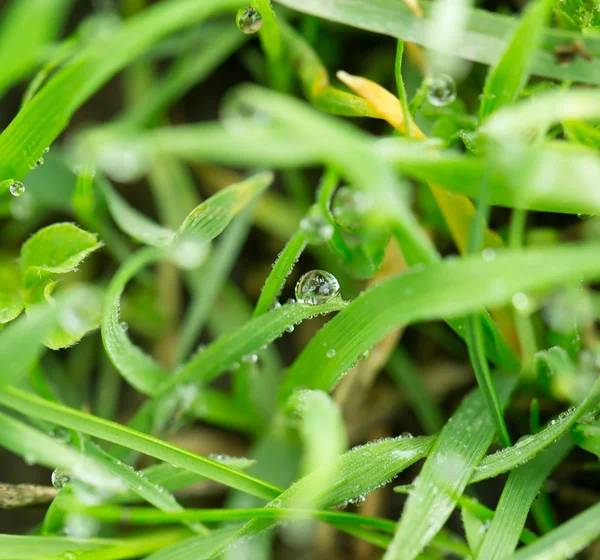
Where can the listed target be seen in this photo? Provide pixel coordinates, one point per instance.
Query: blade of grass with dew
(195, 548)
(221, 262)
(484, 40)
(458, 448)
(509, 458)
(357, 472)
(173, 478)
(507, 78)
(404, 373)
(35, 407)
(219, 41)
(37, 447)
(48, 113)
(281, 270)
(138, 483)
(520, 491)
(566, 540)
(40, 31)
(444, 289)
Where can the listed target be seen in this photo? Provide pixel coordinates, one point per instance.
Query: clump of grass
(441, 322)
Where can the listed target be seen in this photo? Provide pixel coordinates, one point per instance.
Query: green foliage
(158, 225)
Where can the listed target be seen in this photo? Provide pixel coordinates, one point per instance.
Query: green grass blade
(506, 79)
(356, 473)
(520, 491)
(526, 448)
(48, 113)
(445, 289)
(35, 407)
(15, 547)
(457, 450)
(195, 548)
(484, 377)
(566, 540)
(484, 40)
(17, 23)
(587, 436)
(138, 368)
(281, 270)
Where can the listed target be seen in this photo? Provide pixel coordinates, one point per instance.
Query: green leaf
(567, 540)
(507, 78)
(484, 40)
(520, 491)
(16, 547)
(587, 436)
(195, 548)
(56, 249)
(36, 407)
(11, 302)
(458, 448)
(446, 289)
(48, 113)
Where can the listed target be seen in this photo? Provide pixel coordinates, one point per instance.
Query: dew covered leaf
(458, 448)
(451, 288)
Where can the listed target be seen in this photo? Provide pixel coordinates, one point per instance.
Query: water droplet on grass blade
(365, 355)
(441, 90)
(316, 228)
(331, 353)
(60, 478)
(248, 20)
(488, 254)
(317, 286)
(81, 526)
(17, 188)
(522, 303)
(349, 208)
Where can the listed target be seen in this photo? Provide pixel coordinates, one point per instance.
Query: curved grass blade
(48, 113)
(445, 289)
(458, 448)
(566, 540)
(587, 437)
(484, 40)
(35, 407)
(506, 79)
(507, 459)
(520, 491)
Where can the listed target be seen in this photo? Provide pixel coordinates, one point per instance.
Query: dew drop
(521, 303)
(248, 20)
(60, 434)
(441, 90)
(365, 355)
(250, 358)
(46, 150)
(80, 526)
(406, 435)
(69, 555)
(17, 188)
(331, 353)
(488, 254)
(29, 459)
(290, 328)
(317, 286)
(60, 478)
(275, 305)
(316, 228)
(349, 208)
(39, 162)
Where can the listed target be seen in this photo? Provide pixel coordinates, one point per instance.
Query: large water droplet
(60, 478)
(316, 228)
(441, 90)
(349, 208)
(248, 20)
(317, 286)
(17, 188)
